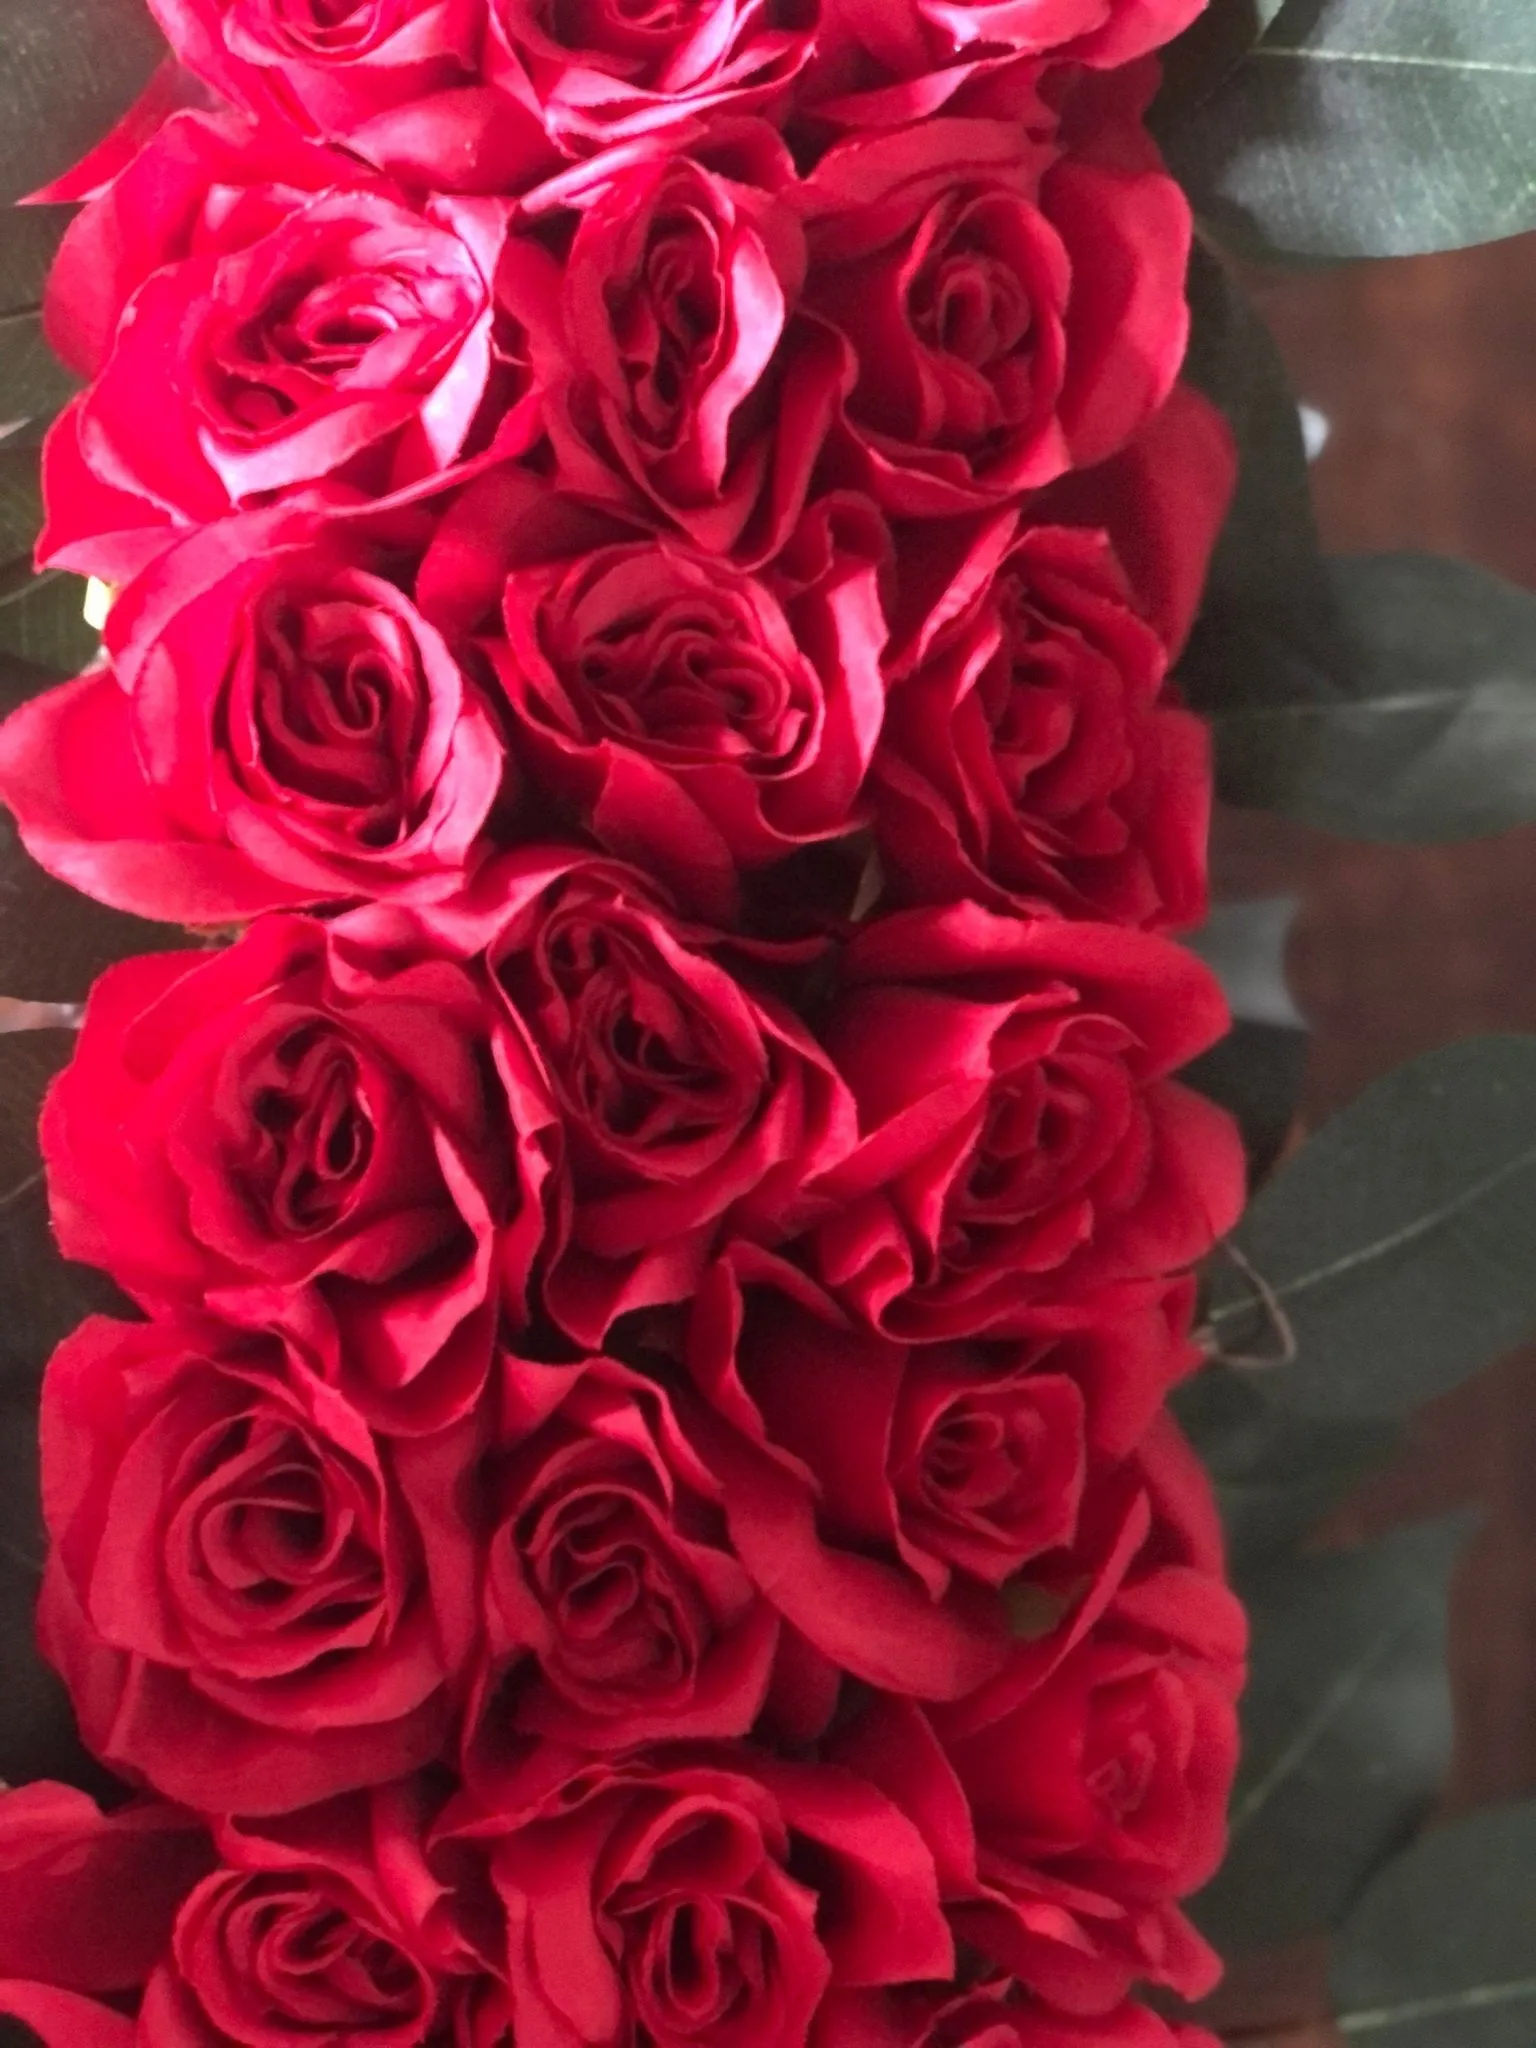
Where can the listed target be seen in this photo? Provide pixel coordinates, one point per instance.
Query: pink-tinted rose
(253, 1600)
(276, 726)
(287, 1134)
(335, 339)
(616, 1611)
(694, 1102)
(602, 71)
(678, 382)
(884, 1495)
(1014, 309)
(1021, 1139)
(87, 1898)
(329, 1924)
(1032, 757)
(698, 1892)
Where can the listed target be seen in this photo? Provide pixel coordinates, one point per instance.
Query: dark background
(1426, 372)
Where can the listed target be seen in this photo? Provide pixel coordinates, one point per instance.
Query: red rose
(252, 1600)
(601, 71)
(277, 727)
(608, 1575)
(882, 1495)
(995, 2014)
(340, 340)
(1031, 757)
(287, 1135)
(677, 381)
(1014, 311)
(698, 720)
(63, 2019)
(329, 1925)
(1021, 1139)
(695, 1104)
(699, 1892)
(87, 1898)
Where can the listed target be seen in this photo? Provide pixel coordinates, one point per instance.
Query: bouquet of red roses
(645, 543)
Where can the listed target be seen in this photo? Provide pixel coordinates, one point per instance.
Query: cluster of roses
(647, 539)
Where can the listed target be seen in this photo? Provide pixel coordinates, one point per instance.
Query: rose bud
(286, 1134)
(1021, 1140)
(276, 727)
(698, 1892)
(250, 1597)
(335, 340)
(1014, 312)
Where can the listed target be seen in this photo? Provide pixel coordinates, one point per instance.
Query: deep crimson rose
(1031, 756)
(63, 2019)
(611, 1589)
(329, 1925)
(1014, 310)
(252, 1599)
(699, 1893)
(87, 1898)
(1021, 1139)
(994, 2014)
(601, 71)
(276, 726)
(677, 381)
(695, 1104)
(286, 1134)
(881, 1494)
(697, 719)
(339, 341)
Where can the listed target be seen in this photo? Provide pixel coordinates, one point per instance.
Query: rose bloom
(1020, 1138)
(602, 72)
(616, 1610)
(677, 383)
(883, 1495)
(275, 726)
(1032, 757)
(334, 338)
(286, 1134)
(251, 1598)
(994, 2014)
(695, 1105)
(698, 1892)
(1014, 309)
(328, 1924)
(697, 720)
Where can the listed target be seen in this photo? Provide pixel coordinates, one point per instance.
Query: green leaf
(1438, 738)
(1266, 630)
(1276, 1474)
(1397, 1248)
(1370, 128)
(21, 504)
(1441, 1950)
(29, 240)
(1195, 64)
(1346, 1733)
(34, 384)
(73, 68)
(42, 621)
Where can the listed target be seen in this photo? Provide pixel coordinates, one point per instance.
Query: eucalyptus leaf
(29, 241)
(42, 621)
(34, 384)
(21, 504)
(1266, 632)
(1396, 1250)
(1440, 1952)
(73, 68)
(1437, 740)
(1277, 1475)
(1209, 50)
(1346, 1733)
(1370, 128)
